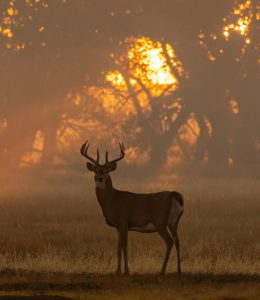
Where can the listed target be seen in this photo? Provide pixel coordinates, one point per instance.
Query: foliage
(175, 100)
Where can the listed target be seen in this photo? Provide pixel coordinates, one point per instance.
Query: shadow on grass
(11, 280)
(199, 277)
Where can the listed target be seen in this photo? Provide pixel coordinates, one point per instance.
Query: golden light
(243, 13)
(158, 73)
(230, 161)
(34, 157)
(226, 32)
(117, 79)
(151, 64)
(41, 29)
(10, 11)
(3, 125)
(190, 131)
(248, 41)
(209, 126)
(206, 156)
(234, 106)
(211, 57)
(12, 18)
(135, 156)
(7, 32)
(67, 136)
(39, 141)
(175, 156)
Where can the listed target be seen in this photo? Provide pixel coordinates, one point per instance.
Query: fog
(182, 94)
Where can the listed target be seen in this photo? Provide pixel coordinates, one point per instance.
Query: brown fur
(157, 212)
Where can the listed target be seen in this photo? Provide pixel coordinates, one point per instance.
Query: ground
(137, 286)
(59, 245)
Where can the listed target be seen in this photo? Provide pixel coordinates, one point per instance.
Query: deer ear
(111, 167)
(91, 167)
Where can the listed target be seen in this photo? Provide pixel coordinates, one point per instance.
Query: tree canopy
(175, 80)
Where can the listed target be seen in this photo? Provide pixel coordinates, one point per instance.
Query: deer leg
(177, 246)
(119, 252)
(124, 239)
(169, 243)
(173, 229)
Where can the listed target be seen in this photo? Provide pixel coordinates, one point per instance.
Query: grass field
(109, 286)
(61, 246)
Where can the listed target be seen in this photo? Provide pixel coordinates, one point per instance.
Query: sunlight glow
(151, 64)
(159, 74)
(3, 125)
(190, 131)
(243, 15)
(11, 19)
(34, 157)
(234, 106)
(209, 126)
(135, 156)
(117, 79)
(230, 161)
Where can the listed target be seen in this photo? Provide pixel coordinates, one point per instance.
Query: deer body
(156, 212)
(140, 212)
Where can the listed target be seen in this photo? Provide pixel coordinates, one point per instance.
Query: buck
(156, 212)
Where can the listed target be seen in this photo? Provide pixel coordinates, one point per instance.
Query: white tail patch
(175, 212)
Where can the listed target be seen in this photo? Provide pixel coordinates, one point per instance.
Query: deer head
(101, 171)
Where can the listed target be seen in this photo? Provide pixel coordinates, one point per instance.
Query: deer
(126, 211)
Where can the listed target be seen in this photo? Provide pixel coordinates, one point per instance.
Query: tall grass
(219, 233)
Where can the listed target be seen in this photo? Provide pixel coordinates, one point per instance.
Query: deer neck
(106, 194)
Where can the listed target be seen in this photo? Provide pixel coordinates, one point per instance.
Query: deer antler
(122, 154)
(84, 152)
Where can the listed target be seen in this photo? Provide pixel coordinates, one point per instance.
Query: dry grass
(61, 245)
(96, 286)
(218, 235)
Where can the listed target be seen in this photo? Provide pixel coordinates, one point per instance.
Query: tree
(178, 91)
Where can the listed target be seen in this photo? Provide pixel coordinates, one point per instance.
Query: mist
(196, 130)
(119, 118)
